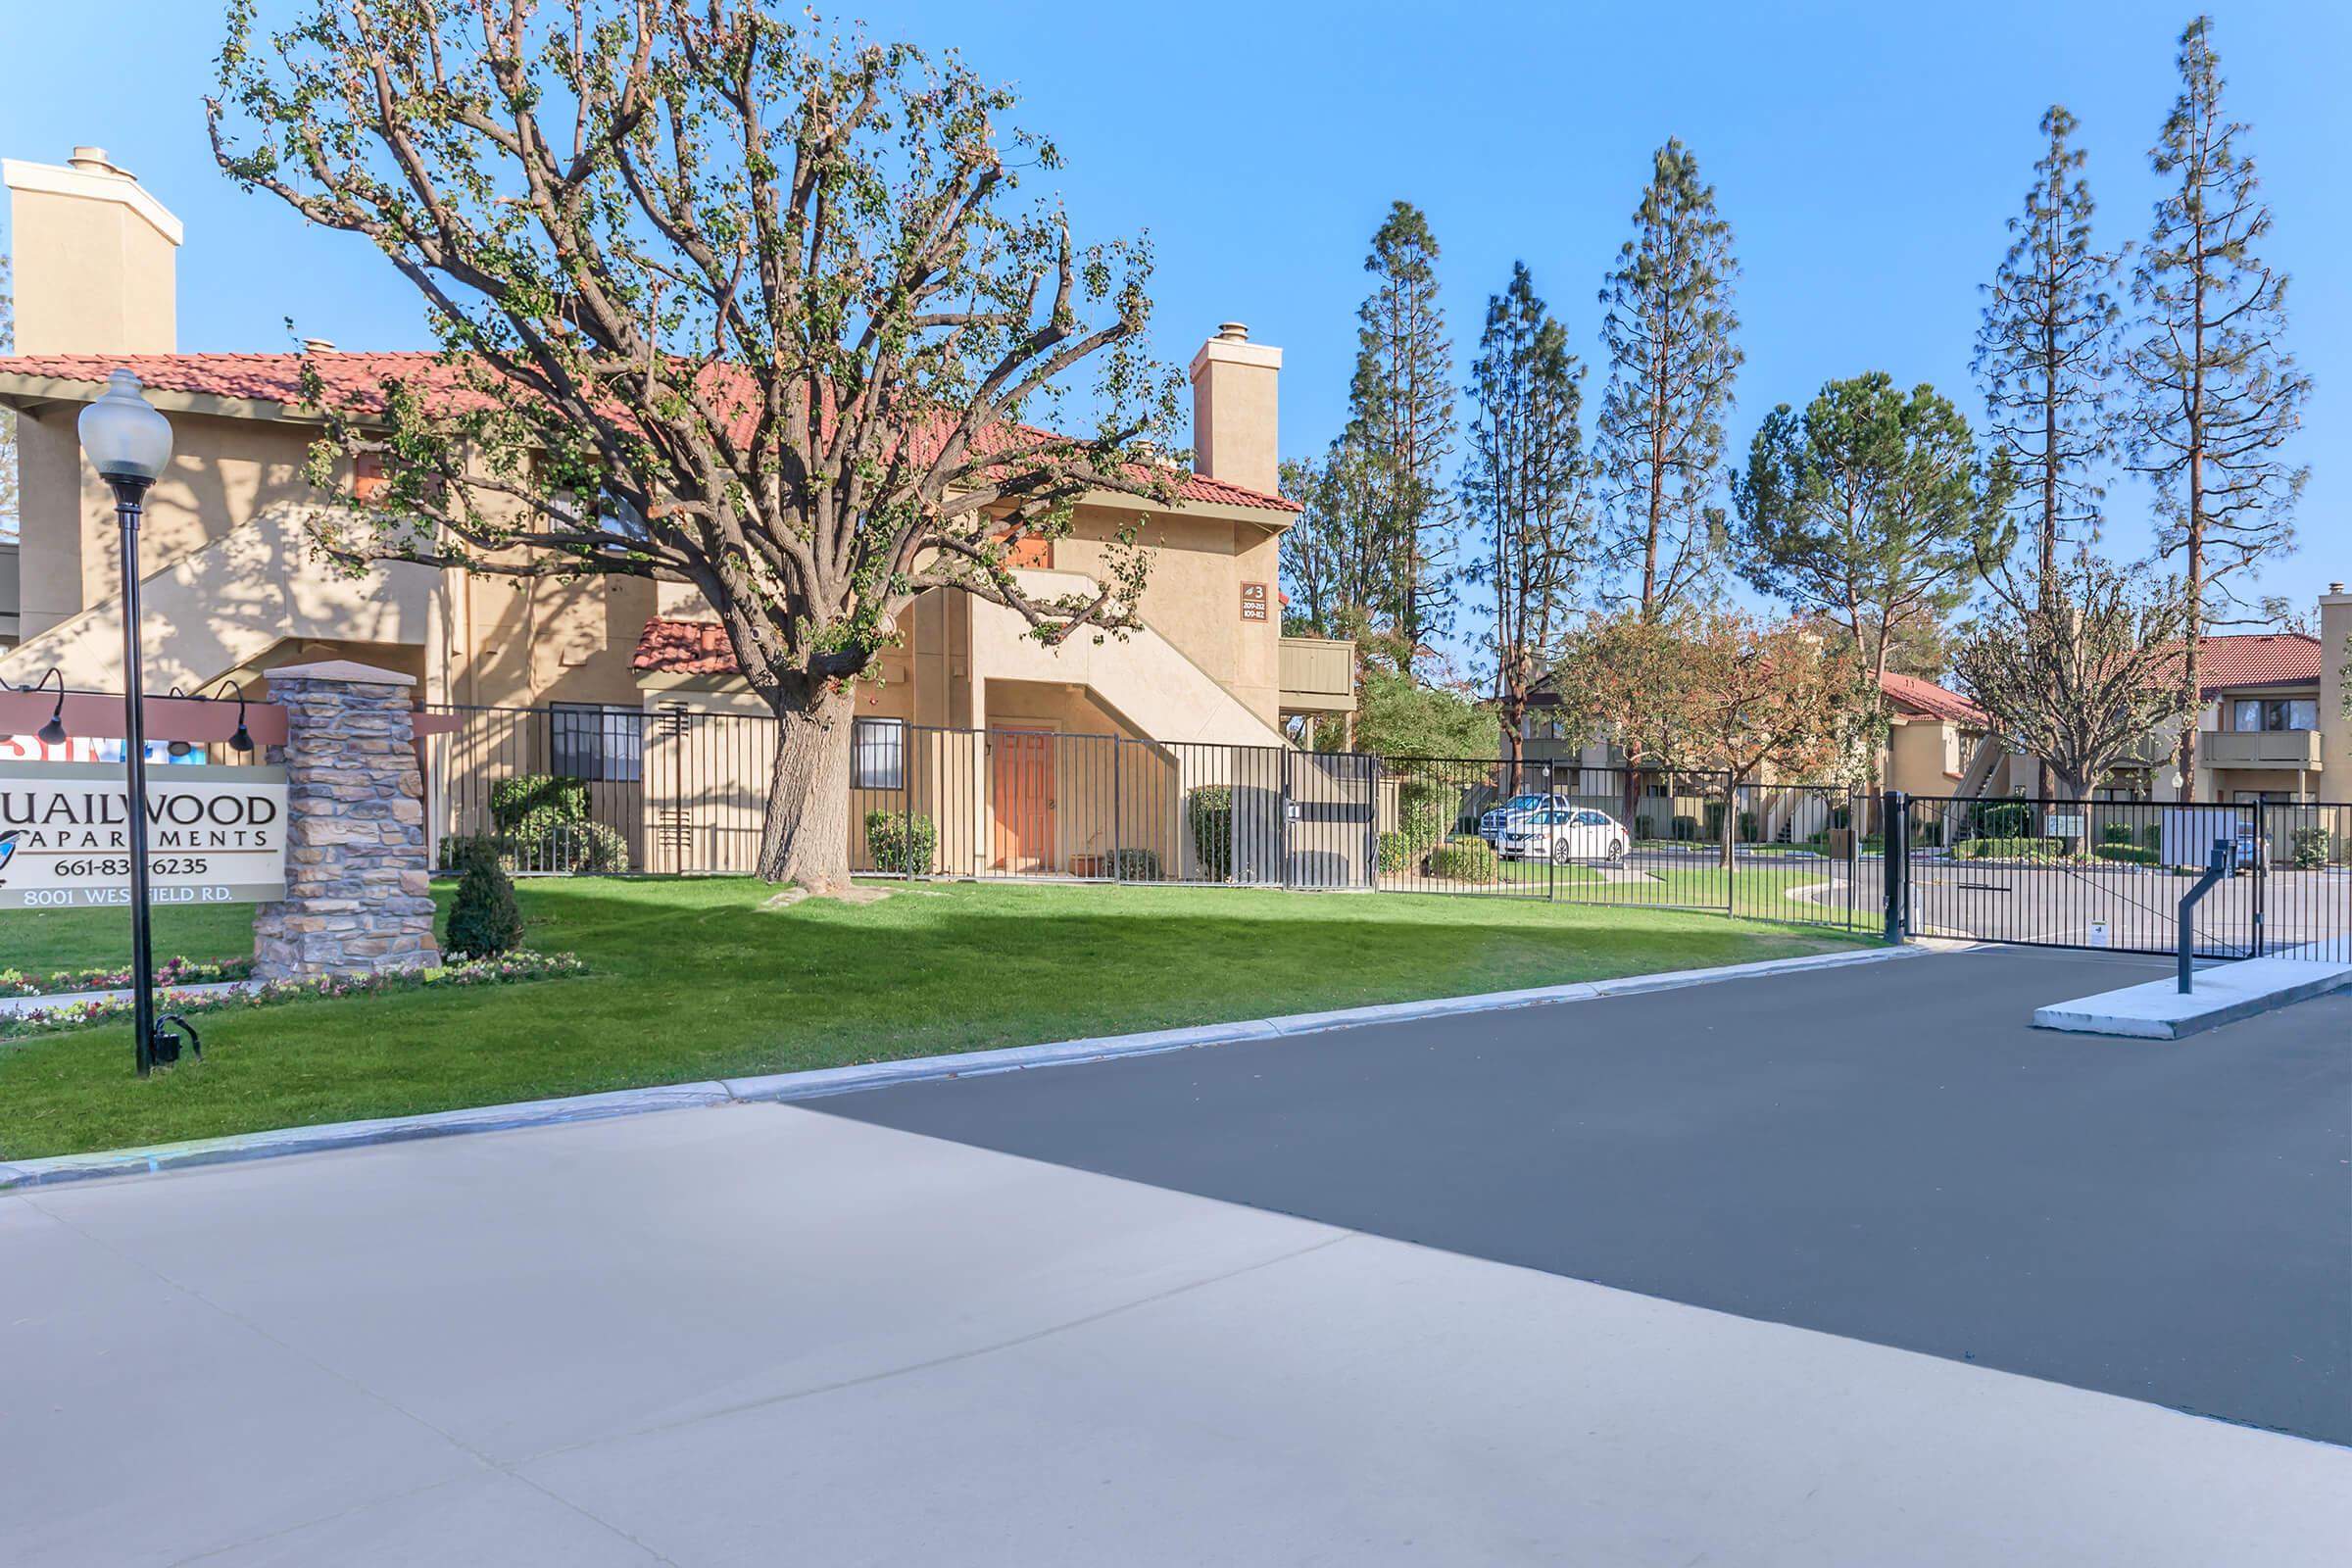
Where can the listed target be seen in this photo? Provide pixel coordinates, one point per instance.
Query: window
(878, 754)
(596, 743)
(2276, 712)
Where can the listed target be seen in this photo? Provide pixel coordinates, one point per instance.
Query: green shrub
(2126, 854)
(1466, 859)
(2311, 848)
(484, 922)
(1395, 851)
(901, 845)
(1685, 828)
(1842, 816)
(1423, 809)
(1717, 811)
(1137, 865)
(1749, 830)
(525, 803)
(1208, 813)
(1644, 826)
(2115, 833)
(2009, 849)
(2152, 836)
(544, 844)
(2002, 819)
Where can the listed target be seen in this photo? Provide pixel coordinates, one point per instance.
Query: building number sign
(1254, 601)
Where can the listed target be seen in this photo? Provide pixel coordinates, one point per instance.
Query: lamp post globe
(125, 439)
(130, 443)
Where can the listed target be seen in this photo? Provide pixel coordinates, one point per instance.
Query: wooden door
(1021, 792)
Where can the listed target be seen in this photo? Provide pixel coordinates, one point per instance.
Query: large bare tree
(2080, 670)
(725, 299)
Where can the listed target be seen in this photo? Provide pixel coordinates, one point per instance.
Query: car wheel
(1561, 855)
(1616, 850)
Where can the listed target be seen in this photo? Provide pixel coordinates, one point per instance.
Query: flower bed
(170, 972)
(508, 969)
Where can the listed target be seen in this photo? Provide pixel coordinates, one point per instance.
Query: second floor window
(2276, 712)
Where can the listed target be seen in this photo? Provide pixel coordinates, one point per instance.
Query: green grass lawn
(693, 980)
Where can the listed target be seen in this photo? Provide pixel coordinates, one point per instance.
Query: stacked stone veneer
(357, 890)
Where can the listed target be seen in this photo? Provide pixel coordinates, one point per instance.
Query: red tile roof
(1915, 697)
(2258, 659)
(356, 380)
(684, 648)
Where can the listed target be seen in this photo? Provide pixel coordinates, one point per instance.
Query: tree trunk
(805, 837)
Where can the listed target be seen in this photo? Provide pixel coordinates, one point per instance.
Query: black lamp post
(128, 443)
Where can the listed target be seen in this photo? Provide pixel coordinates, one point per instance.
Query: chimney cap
(2336, 587)
(94, 161)
(317, 345)
(1233, 331)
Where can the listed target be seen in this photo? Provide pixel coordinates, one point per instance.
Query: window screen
(878, 754)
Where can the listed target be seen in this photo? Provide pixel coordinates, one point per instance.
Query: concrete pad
(760, 1335)
(2224, 993)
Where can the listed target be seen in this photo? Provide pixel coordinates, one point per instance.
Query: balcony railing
(2262, 748)
(1318, 675)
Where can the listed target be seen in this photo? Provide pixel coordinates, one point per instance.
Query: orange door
(1023, 798)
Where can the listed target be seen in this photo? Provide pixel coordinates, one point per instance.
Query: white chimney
(1234, 405)
(94, 258)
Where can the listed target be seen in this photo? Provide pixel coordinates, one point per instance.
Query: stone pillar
(357, 878)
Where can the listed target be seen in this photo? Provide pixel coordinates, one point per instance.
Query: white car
(1565, 834)
(1513, 814)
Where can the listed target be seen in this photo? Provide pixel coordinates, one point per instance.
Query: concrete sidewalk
(756, 1334)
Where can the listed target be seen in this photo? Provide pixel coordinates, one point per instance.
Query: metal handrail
(2217, 868)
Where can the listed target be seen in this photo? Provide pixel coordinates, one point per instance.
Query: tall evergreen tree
(2218, 398)
(1872, 508)
(2043, 353)
(1401, 414)
(1524, 488)
(1334, 561)
(1669, 330)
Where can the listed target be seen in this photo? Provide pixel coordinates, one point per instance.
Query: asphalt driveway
(1887, 1152)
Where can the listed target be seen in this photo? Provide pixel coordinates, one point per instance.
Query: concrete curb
(820, 1082)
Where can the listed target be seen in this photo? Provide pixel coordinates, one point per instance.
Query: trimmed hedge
(2002, 819)
(1686, 829)
(2126, 854)
(517, 801)
(2115, 833)
(1394, 852)
(1749, 829)
(1466, 859)
(485, 921)
(1208, 813)
(2009, 849)
(1137, 865)
(901, 845)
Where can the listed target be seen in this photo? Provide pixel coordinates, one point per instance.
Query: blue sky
(1867, 155)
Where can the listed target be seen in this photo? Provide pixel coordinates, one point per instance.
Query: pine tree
(1872, 508)
(2217, 397)
(1335, 562)
(1401, 417)
(2044, 355)
(1524, 487)
(1670, 331)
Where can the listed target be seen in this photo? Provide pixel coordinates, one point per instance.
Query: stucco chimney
(2336, 726)
(94, 258)
(1234, 386)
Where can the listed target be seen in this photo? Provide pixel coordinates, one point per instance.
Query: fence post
(1118, 855)
(1894, 839)
(2261, 872)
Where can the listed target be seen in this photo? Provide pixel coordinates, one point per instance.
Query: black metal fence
(2111, 874)
(684, 791)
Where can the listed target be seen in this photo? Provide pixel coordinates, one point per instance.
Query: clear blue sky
(1867, 156)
